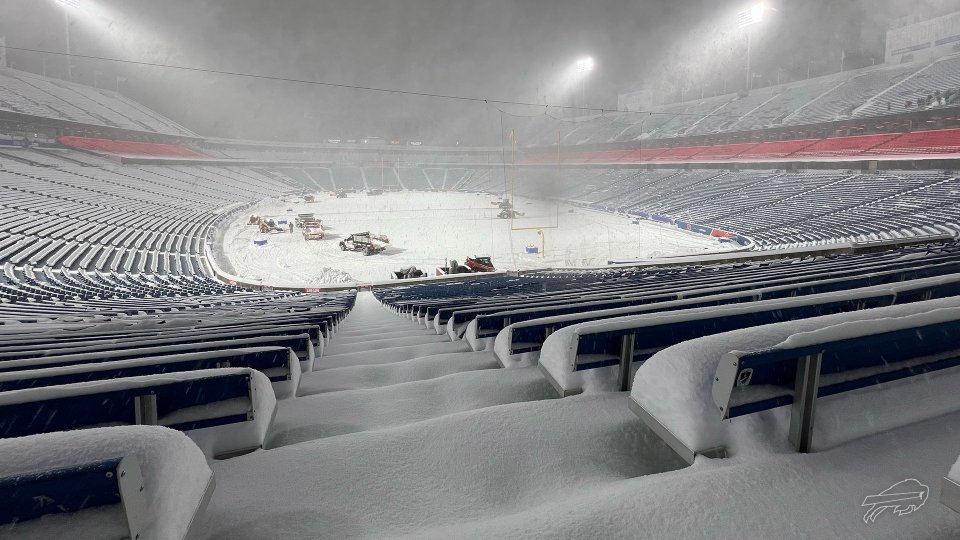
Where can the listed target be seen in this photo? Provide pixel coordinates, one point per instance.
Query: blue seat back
(118, 406)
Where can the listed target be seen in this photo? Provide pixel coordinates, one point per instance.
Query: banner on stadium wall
(924, 40)
(311, 290)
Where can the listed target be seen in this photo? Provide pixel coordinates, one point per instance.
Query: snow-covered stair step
(354, 332)
(356, 327)
(377, 344)
(338, 413)
(503, 459)
(397, 354)
(374, 376)
(340, 339)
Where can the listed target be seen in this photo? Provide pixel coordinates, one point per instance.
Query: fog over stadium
(494, 49)
(423, 269)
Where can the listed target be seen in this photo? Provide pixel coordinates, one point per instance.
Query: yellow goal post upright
(512, 188)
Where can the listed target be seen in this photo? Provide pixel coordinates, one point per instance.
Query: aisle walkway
(381, 370)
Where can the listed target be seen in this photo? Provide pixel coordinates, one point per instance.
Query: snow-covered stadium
(732, 316)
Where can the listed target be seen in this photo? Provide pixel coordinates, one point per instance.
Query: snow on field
(425, 229)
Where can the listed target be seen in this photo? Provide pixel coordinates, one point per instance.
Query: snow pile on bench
(674, 386)
(176, 478)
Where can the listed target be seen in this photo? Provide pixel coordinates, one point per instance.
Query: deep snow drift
(426, 229)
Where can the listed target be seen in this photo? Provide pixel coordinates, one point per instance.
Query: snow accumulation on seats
(779, 496)
(212, 440)
(674, 386)
(466, 466)
(558, 350)
(175, 475)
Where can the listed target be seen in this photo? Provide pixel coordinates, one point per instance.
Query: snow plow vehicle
(366, 243)
(479, 264)
(312, 229)
(298, 221)
(408, 273)
(469, 266)
(266, 226)
(506, 210)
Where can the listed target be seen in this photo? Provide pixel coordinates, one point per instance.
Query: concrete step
(397, 354)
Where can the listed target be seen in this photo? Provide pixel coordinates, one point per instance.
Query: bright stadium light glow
(585, 65)
(752, 16)
(70, 3)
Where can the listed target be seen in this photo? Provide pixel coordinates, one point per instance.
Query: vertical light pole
(583, 68)
(67, 6)
(746, 20)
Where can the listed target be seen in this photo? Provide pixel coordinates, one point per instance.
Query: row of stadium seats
(858, 94)
(80, 212)
(364, 178)
(772, 208)
(615, 321)
(32, 94)
(210, 367)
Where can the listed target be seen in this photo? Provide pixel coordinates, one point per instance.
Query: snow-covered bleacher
(32, 94)
(430, 410)
(864, 93)
(772, 208)
(76, 225)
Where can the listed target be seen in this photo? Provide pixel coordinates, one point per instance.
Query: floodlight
(585, 65)
(752, 16)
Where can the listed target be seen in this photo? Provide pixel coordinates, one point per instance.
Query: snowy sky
(496, 49)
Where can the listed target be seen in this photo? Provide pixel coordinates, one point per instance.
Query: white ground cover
(466, 466)
(426, 229)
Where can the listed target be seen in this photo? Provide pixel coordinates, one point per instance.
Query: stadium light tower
(746, 20)
(582, 69)
(67, 6)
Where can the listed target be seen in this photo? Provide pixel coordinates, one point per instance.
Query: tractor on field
(366, 243)
(469, 266)
(479, 264)
(266, 226)
(506, 210)
(408, 273)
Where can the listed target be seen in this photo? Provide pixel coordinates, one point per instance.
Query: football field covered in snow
(426, 229)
